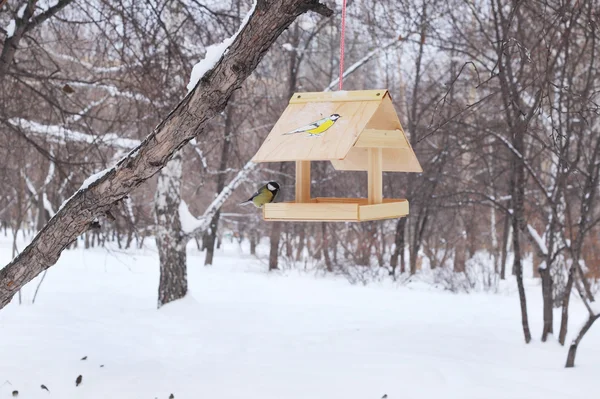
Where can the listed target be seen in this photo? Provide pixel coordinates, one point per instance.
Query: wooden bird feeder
(367, 136)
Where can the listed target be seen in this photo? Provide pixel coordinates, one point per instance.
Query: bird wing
(310, 126)
(251, 198)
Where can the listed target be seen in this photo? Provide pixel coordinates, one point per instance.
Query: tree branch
(188, 120)
(49, 13)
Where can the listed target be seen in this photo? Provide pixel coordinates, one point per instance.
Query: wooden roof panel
(358, 110)
(334, 143)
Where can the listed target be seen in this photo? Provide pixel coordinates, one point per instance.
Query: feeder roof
(367, 119)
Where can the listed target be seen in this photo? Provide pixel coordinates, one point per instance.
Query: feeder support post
(375, 176)
(302, 181)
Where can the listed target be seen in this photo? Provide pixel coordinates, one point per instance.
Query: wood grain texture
(336, 210)
(311, 211)
(302, 181)
(373, 138)
(359, 201)
(388, 210)
(188, 120)
(363, 112)
(335, 96)
(396, 159)
(333, 144)
(375, 176)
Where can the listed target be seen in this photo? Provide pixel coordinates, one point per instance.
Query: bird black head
(334, 117)
(273, 186)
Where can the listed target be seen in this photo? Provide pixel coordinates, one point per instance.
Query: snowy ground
(244, 333)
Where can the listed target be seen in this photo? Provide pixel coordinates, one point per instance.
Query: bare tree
(186, 121)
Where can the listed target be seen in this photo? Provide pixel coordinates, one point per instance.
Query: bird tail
(294, 132)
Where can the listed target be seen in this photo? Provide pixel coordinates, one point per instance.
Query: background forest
(499, 100)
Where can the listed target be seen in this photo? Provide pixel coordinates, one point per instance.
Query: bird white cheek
(270, 187)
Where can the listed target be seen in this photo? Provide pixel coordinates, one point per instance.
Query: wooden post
(375, 176)
(302, 181)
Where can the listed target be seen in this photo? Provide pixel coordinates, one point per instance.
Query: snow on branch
(62, 135)
(80, 115)
(113, 91)
(41, 192)
(91, 67)
(538, 240)
(215, 52)
(194, 226)
(86, 183)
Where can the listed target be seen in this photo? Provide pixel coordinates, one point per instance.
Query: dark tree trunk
(576, 341)
(518, 268)
(517, 184)
(211, 235)
(413, 259)
(334, 246)
(417, 239)
(398, 246)
(564, 321)
(288, 244)
(326, 248)
(274, 243)
(210, 238)
(253, 242)
(301, 237)
(547, 301)
(460, 250)
(504, 247)
(42, 214)
(187, 121)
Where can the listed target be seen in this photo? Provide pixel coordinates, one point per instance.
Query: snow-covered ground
(245, 333)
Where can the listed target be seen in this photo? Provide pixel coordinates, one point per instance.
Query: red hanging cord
(343, 34)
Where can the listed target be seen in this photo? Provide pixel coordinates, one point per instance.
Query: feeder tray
(367, 136)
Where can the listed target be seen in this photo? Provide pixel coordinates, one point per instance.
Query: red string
(343, 34)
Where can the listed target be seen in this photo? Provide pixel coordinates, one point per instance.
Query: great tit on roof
(318, 127)
(264, 195)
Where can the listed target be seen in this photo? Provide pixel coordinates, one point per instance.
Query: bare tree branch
(189, 119)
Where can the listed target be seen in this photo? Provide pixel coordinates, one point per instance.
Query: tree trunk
(326, 248)
(518, 268)
(547, 301)
(564, 321)
(301, 237)
(576, 341)
(274, 243)
(187, 121)
(517, 184)
(253, 239)
(505, 235)
(460, 248)
(288, 244)
(170, 240)
(399, 242)
(210, 237)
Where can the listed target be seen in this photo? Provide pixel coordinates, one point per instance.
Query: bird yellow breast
(322, 127)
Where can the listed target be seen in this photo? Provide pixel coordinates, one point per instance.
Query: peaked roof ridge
(340, 95)
(326, 126)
